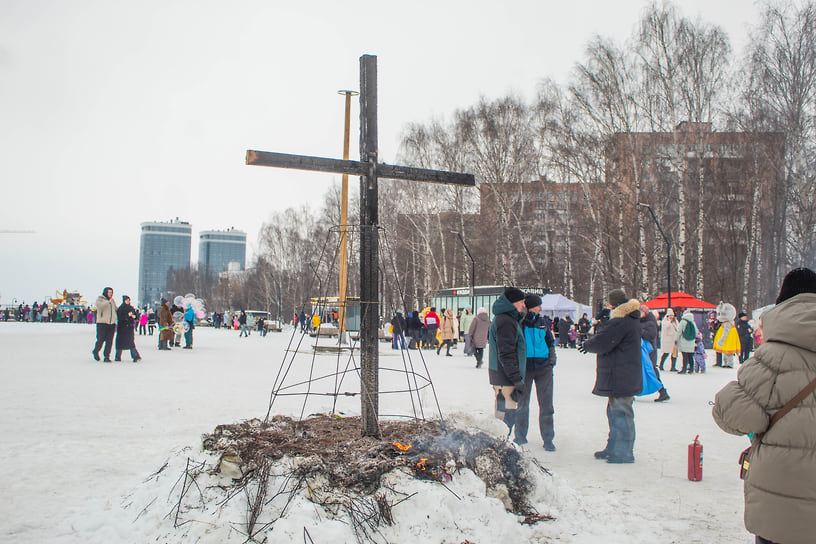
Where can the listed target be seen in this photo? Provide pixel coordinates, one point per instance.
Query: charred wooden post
(369, 170)
(369, 247)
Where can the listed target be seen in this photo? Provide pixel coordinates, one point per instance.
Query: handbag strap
(789, 406)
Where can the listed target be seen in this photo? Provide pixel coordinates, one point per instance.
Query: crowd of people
(778, 381)
(625, 337)
(116, 326)
(43, 313)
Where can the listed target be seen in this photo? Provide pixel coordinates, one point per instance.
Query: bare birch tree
(783, 61)
(501, 142)
(685, 65)
(606, 88)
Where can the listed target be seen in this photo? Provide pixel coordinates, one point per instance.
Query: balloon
(178, 300)
(200, 314)
(186, 326)
(189, 295)
(178, 316)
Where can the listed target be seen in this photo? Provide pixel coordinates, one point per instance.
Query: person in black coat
(583, 328)
(746, 337)
(648, 326)
(126, 316)
(414, 326)
(564, 325)
(619, 374)
(398, 326)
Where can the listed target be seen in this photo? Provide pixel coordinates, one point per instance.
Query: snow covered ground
(79, 439)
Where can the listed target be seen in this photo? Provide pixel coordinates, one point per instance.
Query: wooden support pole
(343, 280)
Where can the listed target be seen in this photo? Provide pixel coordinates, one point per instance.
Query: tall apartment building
(579, 238)
(218, 248)
(723, 185)
(164, 246)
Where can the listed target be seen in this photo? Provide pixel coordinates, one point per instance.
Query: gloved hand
(581, 349)
(518, 391)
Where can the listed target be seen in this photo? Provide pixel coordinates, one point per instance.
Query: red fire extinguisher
(695, 460)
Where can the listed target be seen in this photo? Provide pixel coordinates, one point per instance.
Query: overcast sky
(114, 113)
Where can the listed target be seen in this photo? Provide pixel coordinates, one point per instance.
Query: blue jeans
(621, 416)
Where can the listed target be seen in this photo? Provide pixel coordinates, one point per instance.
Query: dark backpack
(689, 332)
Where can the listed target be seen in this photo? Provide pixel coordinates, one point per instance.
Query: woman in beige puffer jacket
(448, 330)
(780, 495)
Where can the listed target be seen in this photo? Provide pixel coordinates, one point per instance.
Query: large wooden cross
(369, 171)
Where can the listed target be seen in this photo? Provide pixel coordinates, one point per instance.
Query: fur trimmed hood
(633, 305)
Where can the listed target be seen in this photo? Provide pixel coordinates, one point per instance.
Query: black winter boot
(664, 395)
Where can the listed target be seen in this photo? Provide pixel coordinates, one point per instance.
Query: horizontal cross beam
(356, 168)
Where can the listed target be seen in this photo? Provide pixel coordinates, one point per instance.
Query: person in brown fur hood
(619, 374)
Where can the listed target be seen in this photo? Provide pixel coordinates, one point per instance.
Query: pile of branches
(342, 470)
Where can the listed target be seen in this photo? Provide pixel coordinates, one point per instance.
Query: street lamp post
(472, 273)
(668, 250)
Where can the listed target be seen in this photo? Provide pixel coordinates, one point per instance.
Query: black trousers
(432, 340)
(688, 363)
(104, 335)
(134, 354)
(663, 360)
(444, 343)
(543, 379)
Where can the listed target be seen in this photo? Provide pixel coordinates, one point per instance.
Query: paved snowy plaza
(79, 438)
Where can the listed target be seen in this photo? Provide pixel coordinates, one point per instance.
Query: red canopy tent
(678, 300)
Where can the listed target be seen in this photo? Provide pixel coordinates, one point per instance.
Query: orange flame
(421, 464)
(402, 447)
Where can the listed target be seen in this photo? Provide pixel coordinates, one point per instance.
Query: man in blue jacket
(619, 374)
(540, 350)
(508, 359)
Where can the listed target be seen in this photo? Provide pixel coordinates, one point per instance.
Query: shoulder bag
(745, 456)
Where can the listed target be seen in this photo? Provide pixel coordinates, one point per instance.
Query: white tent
(561, 306)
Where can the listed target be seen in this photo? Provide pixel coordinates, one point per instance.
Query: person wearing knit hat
(619, 375)
(778, 487)
(797, 281)
(540, 362)
(616, 297)
(514, 294)
(508, 353)
(532, 301)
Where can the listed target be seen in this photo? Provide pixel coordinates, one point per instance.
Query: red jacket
(432, 319)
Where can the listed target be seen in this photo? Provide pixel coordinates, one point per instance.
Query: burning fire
(420, 465)
(402, 447)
